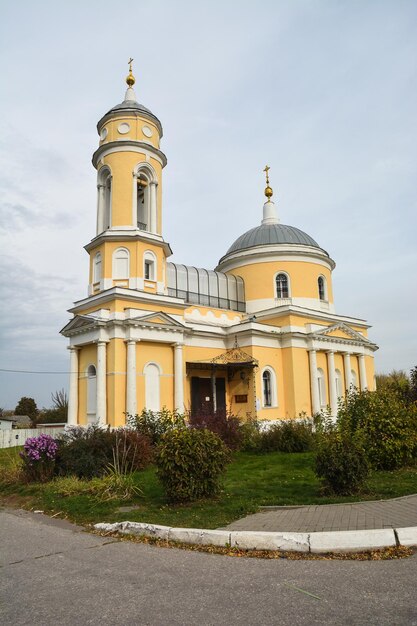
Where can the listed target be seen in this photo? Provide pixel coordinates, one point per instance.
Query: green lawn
(252, 480)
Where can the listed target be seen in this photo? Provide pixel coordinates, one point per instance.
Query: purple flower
(39, 449)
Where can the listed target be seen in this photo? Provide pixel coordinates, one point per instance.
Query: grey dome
(270, 234)
(130, 106)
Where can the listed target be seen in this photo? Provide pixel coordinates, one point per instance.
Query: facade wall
(87, 356)
(260, 279)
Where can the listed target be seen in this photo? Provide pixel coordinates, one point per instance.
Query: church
(258, 335)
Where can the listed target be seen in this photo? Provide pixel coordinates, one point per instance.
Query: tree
(413, 384)
(58, 414)
(27, 406)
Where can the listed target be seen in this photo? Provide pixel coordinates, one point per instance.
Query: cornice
(129, 235)
(282, 311)
(130, 295)
(272, 252)
(115, 146)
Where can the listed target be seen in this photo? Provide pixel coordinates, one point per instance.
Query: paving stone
(396, 513)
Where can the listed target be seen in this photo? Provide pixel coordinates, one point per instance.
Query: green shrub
(132, 450)
(190, 463)
(88, 452)
(341, 463)
(221, 422)
(289, 436)
(251, 435)
(154, 424)
(386, 423)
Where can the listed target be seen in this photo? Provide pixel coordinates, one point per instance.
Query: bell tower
(128, 249)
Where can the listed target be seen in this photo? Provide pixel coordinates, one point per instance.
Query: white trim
(148, 255)
(265, 304)
(322, 388)
(264, 254)
(133, 146)
(275, 291)
(274, 391)
(115, 269)
(326, 294)
(152, 387)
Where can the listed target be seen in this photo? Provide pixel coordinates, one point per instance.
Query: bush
(289, 436)
(386, 423)
(221, 422)
(251, 435)
(89, 452)
(39, 454)
(133, 451)
(341, 463)
(84, 452)
(154, 424)
(190, 464)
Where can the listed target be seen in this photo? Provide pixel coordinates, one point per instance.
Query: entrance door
(202, 395)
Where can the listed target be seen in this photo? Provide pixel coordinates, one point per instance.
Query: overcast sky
(325, 92)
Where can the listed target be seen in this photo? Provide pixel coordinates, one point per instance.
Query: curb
(316, 542)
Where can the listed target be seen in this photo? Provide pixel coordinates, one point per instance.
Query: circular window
(123, 128)
(147, 131)
(103, 134)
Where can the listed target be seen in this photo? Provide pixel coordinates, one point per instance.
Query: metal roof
(269, 234)
(132, 106)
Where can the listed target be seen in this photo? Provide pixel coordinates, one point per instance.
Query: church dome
(272, 234)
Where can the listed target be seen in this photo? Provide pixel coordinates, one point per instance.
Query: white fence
(18, 436)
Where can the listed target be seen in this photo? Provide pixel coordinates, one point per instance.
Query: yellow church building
(258, 335)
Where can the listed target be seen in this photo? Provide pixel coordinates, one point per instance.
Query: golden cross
(130, 64)
(266, 170)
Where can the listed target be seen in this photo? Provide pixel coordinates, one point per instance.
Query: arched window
(322, 288)
(149, 266)
(97, 268)
(322, 387)
(143, 202)
(152, 386)
(121, 263)
(354, 378)
(91, 393)
(339, 383)
(266, 387)
(269, 388)
(282, 286)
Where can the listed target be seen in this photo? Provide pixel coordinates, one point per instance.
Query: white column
(314, 383)
(332, 383)
(131, 377)
(362, 372)
(135, 200)
(348, 370)
(73, 388)
(101, 405)
(100, 208)
(153, 207)
(178, 378)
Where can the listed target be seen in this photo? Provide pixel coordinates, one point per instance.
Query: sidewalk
(380, 514)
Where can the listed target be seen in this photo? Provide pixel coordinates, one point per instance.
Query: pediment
(341, 331)
(156, 319)
(79, 323)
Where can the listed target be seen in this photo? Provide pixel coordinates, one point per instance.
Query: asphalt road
(53, 573)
